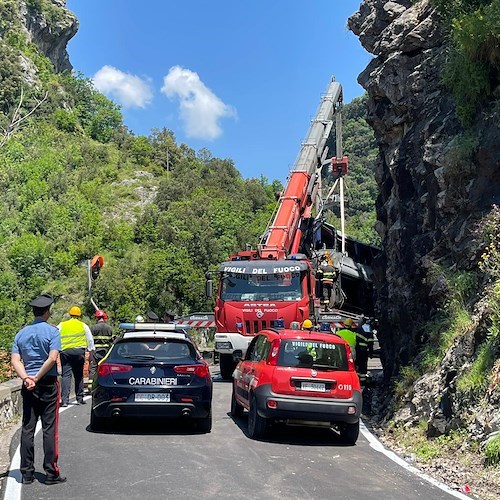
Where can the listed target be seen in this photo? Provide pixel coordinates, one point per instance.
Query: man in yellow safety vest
(349, 335)
(75, 338)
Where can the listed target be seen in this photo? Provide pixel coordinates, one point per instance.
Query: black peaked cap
(43, 300)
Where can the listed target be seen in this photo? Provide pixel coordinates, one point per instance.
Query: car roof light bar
(154, 327)
(150, 334)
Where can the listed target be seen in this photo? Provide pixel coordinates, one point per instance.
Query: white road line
(378, 446)
(14, 479)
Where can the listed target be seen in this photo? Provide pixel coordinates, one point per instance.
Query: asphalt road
(144, 460)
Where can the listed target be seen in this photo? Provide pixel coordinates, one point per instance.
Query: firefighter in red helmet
(103, 335)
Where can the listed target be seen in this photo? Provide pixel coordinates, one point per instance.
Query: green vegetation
(452, 321)
(475, 381)
(492, 451)
(415, 438)
(473, 67)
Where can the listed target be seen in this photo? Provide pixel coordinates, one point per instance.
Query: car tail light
(272, 359)
(106, 369)
(350, 361)
(272, 404)
(197, 370)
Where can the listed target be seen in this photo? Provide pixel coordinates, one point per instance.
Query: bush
(492, 451)
(472, 67)
(65, 120)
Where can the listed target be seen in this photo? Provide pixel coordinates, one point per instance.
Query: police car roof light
(152, 334)
(158, 327)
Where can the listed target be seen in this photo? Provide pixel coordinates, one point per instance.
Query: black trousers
(42, 402)
(72, 361)
(362, 360)
(95, 357)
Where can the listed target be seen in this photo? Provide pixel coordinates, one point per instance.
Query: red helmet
(101, 314)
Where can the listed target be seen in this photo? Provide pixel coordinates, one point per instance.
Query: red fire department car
(298, 377)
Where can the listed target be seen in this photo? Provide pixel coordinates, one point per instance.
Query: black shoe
(81, 402)
(28, 479)
(55, 480)
(63, 405)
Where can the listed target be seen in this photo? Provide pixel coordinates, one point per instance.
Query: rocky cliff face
(428, 204)
(430, 199)
(50, 26)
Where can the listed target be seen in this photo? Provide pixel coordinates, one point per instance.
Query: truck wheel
(349, 433)
(236, 408)
(257, 425)
(227, 366)
(97, 423)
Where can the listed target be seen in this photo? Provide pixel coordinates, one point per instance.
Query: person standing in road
(364, 348)
(75, 338)
(34, 355)
(102, 334)
(349, 335)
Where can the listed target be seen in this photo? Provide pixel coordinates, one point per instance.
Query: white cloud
(129, 90)
(200, 109)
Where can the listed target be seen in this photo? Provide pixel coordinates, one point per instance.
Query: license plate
(313, 386)
(153, 397)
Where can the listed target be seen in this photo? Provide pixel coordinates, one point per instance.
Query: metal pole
(89, 277)
(342, 213)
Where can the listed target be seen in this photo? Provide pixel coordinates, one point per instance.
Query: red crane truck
(277, 281)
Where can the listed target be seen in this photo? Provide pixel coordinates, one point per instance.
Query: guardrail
(10, 401)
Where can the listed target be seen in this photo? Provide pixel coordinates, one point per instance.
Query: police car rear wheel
(205, 424)
(257, 425)
(97, 423)
(349, 433)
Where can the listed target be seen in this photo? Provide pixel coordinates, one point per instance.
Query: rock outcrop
(430, 200)
(47, 24)
(50, 25)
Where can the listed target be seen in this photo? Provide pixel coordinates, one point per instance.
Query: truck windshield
(242, 287)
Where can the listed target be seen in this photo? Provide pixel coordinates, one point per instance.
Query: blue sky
(242, 79)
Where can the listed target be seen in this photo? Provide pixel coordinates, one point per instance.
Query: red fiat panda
(298, 377)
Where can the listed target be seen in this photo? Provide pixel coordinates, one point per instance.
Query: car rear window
(177, 351)
(312, 354)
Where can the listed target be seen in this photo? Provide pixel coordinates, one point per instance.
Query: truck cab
(252, 296)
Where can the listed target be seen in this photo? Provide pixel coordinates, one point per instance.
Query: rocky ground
(463, 471)
(456, 462)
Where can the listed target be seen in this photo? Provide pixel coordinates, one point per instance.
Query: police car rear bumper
(167, 410)
(307, 408)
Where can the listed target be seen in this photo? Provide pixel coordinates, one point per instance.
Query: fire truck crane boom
(284, 235)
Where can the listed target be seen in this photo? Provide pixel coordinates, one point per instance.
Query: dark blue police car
(152, 370)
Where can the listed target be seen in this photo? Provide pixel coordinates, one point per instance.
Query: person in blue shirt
(34, 355)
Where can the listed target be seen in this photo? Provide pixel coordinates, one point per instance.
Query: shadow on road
(148, 426)
(293, 434)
